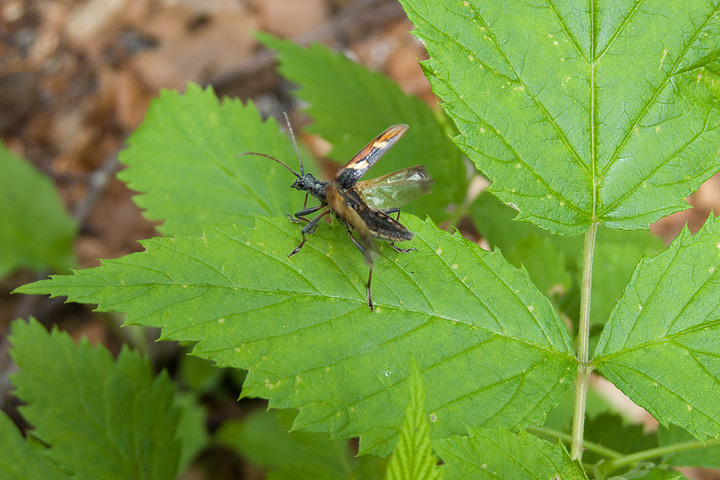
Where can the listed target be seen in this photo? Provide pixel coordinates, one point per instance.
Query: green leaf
(191, 430)
(555, 262)
(548, 258)
(616, 254)
(102, 419)
(501, 454)
(580, 111)
(35, 229)
(263, 439)
(660, 346)
(657, 474)
(184, 159)
(21, 459)
(199, 375)
(483, 336)
(413, 457)
(350, 105)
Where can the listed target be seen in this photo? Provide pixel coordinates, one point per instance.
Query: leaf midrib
(545, 113)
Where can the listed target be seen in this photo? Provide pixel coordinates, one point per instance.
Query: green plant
(100, 418)
(35, 230)
(582, 115)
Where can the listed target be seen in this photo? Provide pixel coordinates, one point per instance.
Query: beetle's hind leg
(389, 211)
(402, 250)
(369, 260)
(369, 293)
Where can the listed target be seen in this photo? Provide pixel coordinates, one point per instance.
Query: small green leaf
(660, 346)
(199, 375)
(23, 460)
(35, 229)
(102, 419)
(501, 454)
(656, 474)
(616, 254)
(482, 334)
(263, 439)
(413, 457)
(580, 111)
(191, 430)
(184, 160)
(350, 105)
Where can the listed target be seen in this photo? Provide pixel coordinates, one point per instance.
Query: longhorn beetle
(364, 208)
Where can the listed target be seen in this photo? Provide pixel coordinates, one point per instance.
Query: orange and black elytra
(364, 208)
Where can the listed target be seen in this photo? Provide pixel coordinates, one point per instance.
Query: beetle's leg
(363, 250)
(403, 250)
(369, 293)
(308, 229)
(357, 244)
(303, 213)
(388, 211)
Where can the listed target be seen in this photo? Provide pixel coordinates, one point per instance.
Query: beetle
(364, 208)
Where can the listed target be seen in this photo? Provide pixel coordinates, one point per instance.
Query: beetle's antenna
(292, 136)
(271, 158)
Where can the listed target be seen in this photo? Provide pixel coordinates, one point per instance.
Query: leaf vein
(651, 101)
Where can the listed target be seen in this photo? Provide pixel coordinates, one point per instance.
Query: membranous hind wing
(348, 175)
(395, 189)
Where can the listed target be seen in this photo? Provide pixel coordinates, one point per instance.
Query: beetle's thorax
(310, 184)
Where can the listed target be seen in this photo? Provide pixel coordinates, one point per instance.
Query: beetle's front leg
(303, 213)
(310, 228)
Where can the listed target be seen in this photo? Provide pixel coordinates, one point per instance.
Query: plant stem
(583, 369)
(659, 452)
(590, 446)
